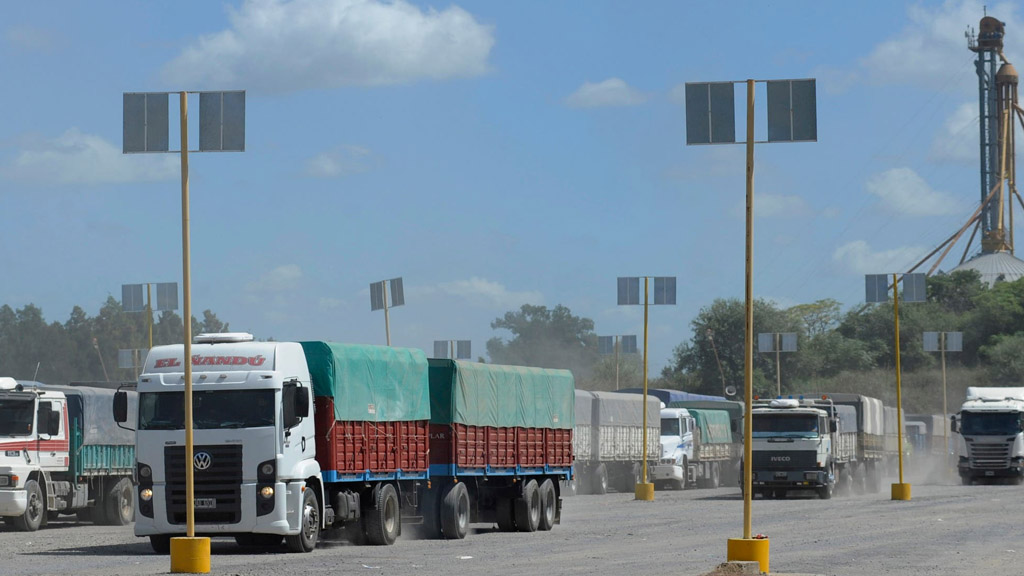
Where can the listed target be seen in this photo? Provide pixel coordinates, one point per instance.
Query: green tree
(1005, 358)
(548, 339)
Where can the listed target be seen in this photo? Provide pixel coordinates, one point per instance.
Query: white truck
(990, 443)
(608, 440)
(61, 453)
(802, 444)
(696, 445)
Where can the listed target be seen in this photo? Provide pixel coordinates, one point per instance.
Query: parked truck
(990, 441)
(294, 438)
(62, 453)
(802, 444)
(608, 440)
(696, 445)
(926, 434)
(729, 471)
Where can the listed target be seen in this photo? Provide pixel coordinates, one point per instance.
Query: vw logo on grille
(202, 460)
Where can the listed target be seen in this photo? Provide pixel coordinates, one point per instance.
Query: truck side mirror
(120, 407)
(952, 424)
(301, 402)
(833, 426)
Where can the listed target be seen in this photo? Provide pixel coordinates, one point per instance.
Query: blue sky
(490, 153)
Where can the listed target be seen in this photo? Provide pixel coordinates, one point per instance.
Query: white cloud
(610, 92)
(780, 206)
(903, 191)
(923, 51)
(341, 161)
(78, 158)
(280, 279)
(30, 39)
(958, 139)
(481, 291)
(282, 46)
(858, 257)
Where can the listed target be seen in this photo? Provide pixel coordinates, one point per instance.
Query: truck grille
(785, 460)
(220, 483)
(990, 456)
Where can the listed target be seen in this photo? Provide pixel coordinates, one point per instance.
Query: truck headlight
(5, 480)
(267, 492)
(146, 494)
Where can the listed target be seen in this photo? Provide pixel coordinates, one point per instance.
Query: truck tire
(382, 521)
(825, 492)
(35, 509)
(309, 524)
(547, 505)
(118, 506)
(455, 512)
(527, 508)
(505, 514)
(599, 480)
(161, 543)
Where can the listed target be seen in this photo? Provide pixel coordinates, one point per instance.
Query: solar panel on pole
(606, 345)
(792, 111)
(788, 342)
(397, 292)
(931, 342)
(462, 349)
(665, 290)
(132, 299)
(440, 348)
(766, 342)
(876, 288)
(377, 296)
(145, 118)
(710, 113)
(167, 296)
(914, 288)
(629, 290)
(627, 344)
(222, 121)
(954, 341)
(126, 359)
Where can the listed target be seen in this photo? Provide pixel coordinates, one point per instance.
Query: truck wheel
(505, 515)
(527, 508)
(455, 512)
(34, 511)
(309, 524)
(118, 506)
(599, 481)
(825, 492)
(161, 543)
(547, 506)
(383, 520)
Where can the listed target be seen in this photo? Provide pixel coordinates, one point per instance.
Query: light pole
(629, 295)
(379, 300)
(454, 349)
(221, 129)
(607, 345)
(944, 342)
(711, 119)
(777, 342)
(877, 290)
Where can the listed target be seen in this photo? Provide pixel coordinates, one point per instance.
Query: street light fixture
(146, 129)
(629, 295)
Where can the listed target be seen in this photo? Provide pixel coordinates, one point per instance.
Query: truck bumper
(13, 502)
(662, 472)
(790, 478)
(1015, 471)
(283, 520)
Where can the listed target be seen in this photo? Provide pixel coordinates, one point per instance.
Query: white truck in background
(608, 440)
(696, 445)
(990, 444)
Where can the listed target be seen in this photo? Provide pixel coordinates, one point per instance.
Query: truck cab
(677, 426)
(792, 448)
(990, 444)
(254, 447)
(33, 445)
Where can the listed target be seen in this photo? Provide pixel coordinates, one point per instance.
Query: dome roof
(998, 266)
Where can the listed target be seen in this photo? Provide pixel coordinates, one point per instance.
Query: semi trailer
(608, 441)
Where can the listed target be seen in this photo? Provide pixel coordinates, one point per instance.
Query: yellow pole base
(748, 550)
(644, 491)
(900, 491)
(190, 555)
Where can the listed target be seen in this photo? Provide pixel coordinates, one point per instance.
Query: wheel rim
(311, 522)
(535, 508)
(126, 503)
(35, 509)
(389, 515)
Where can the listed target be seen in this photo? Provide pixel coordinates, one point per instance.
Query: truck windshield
(670, 427)
(785, 426)
(16, 417)
(990, 423)
(210, 410)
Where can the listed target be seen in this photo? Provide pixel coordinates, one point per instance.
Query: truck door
(53, 448)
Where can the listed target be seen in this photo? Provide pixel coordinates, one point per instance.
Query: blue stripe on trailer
(437, 470)
(335, 476)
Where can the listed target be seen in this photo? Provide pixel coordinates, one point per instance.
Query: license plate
(205, 503)
(780, 474)
(989, 473)
(12, 453)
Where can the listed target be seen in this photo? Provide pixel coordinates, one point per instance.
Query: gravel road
(945, 529)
